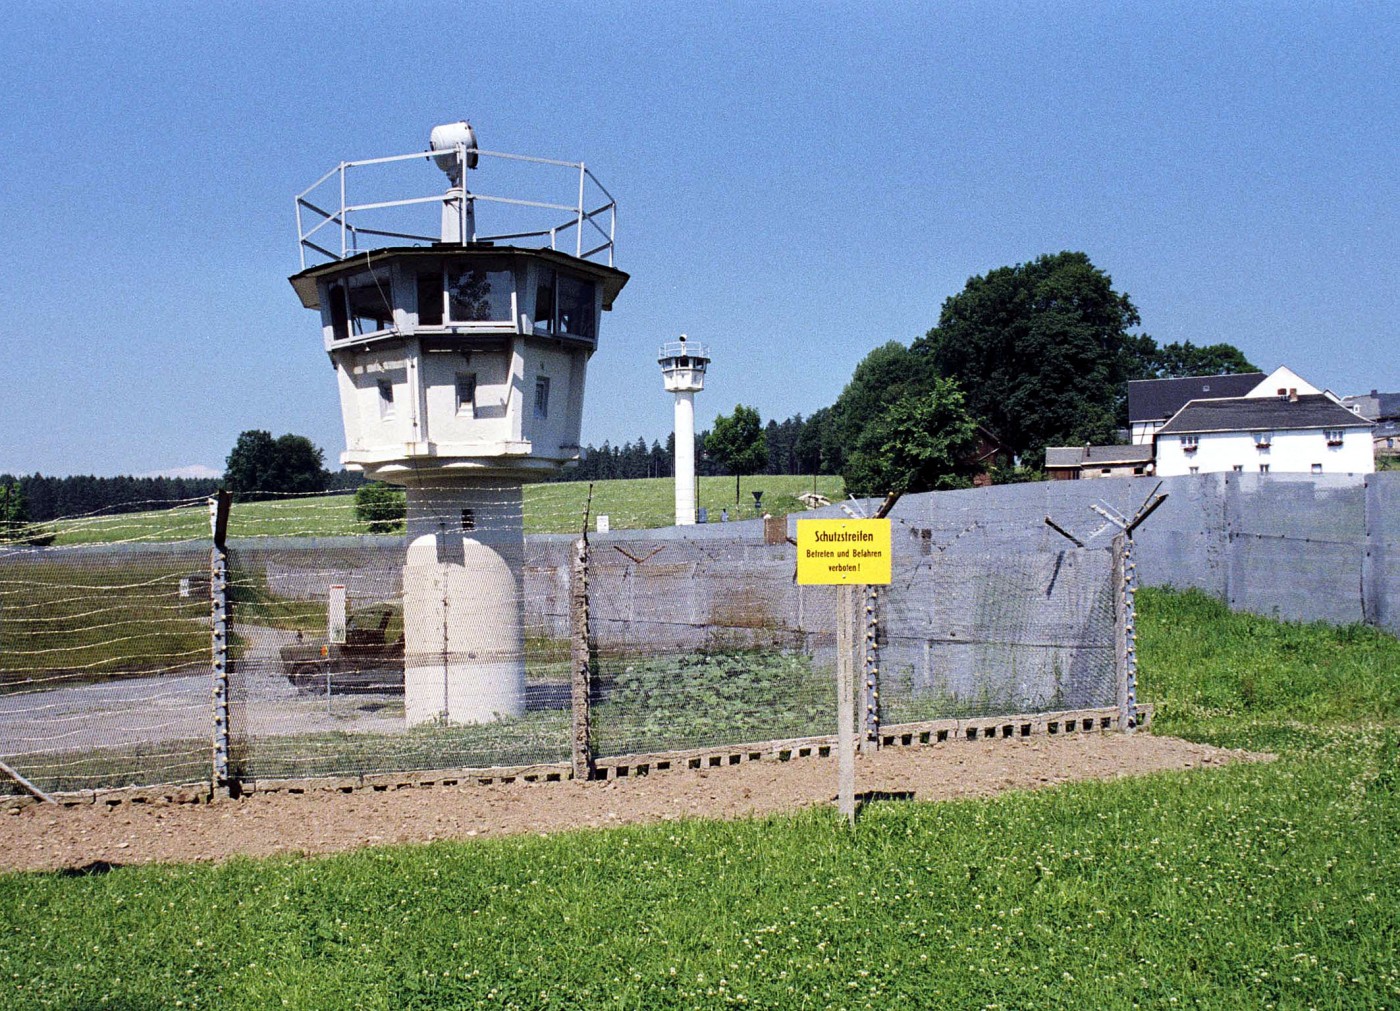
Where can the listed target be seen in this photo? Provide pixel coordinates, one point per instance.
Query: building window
(480, 295)
(1262, 441)
(1190, 443)
(1334, 436)
(386, 398)
(542, 397)
(576, 312)
(430, 298)
(1195, 470)
(1239, 468)
(369, 294)
(1317, 468)
(466, 394)
(468, 520)
(544, 301)
(1263, 468)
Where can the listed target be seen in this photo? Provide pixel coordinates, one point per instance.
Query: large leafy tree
(1041, 351)
(886, 375)
(260, 464)
(921, 442)
(738, 443)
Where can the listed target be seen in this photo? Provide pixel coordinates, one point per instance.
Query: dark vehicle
(369, 660)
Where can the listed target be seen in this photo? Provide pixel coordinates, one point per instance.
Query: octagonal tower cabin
(461, 362)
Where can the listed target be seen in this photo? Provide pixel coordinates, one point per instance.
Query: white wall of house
(1301, 451)
(1143, 431)
(1283, 378)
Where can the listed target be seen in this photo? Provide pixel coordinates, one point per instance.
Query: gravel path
(42, 838)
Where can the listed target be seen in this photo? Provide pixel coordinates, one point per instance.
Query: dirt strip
(40, 837)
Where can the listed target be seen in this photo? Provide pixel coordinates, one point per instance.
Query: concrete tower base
(464, 656)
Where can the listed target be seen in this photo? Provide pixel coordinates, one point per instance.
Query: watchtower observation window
(370, 301)
(480, 293)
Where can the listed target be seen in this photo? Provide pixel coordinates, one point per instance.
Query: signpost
(844, 553)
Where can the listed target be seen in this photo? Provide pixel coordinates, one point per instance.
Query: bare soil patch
(43, 838)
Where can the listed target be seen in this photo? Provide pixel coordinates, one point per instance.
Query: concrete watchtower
(683, 367)
(461, 365)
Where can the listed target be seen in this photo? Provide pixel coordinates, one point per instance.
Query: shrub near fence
(699, 638)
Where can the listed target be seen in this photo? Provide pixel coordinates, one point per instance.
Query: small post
(845, 703)
(579, 671)
(1120, 630)
(870, 739)
(219, 628)
(1129, 611)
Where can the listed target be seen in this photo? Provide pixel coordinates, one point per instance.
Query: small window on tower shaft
(466, 394)
(542, 397)
(386, 398)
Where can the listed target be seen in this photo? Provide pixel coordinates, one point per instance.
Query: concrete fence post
(219, 631)
(580, 656)
(870, 739)
(1125, 627)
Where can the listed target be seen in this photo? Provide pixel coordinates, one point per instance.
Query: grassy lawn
(549, 508)
(1262, 885)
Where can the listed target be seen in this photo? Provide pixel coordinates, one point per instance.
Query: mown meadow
(1258, 885)
(554, 508)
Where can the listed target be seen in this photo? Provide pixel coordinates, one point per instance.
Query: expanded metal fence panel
(703, 643)
(964, 635)
(1298, 546)
(105, 658)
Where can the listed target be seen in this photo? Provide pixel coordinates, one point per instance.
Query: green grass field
(549, 508)
(1256, 886)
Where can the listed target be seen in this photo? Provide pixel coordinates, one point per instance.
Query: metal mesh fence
(701, 643)
(104, 653)
(972, 634)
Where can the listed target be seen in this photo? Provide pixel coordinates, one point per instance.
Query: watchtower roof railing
(354, 205)
(683, 349)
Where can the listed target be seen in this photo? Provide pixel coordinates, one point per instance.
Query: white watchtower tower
(461, 361)
(683, 365)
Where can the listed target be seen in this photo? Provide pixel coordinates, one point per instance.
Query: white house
(1283, 426)
(1152, 402)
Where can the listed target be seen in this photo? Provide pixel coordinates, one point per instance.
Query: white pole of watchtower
(683, 365)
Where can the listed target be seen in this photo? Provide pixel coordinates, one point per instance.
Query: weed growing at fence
(702, 699)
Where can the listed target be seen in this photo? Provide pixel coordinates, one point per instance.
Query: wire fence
(454, 645)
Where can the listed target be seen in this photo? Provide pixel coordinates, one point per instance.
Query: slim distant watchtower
(683, 365)
(461, 361)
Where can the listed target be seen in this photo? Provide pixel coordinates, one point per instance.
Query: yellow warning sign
(833, 552)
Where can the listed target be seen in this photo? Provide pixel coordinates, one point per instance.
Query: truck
(370, 660)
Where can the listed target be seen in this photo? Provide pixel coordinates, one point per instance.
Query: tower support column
(685, 458)
(464, 656)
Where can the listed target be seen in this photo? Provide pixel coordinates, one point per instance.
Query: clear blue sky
(798, 183)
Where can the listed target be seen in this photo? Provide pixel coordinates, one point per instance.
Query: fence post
(219, 628)
(1125, 627)
(845, 703)
(870, 739)
(580, 672)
